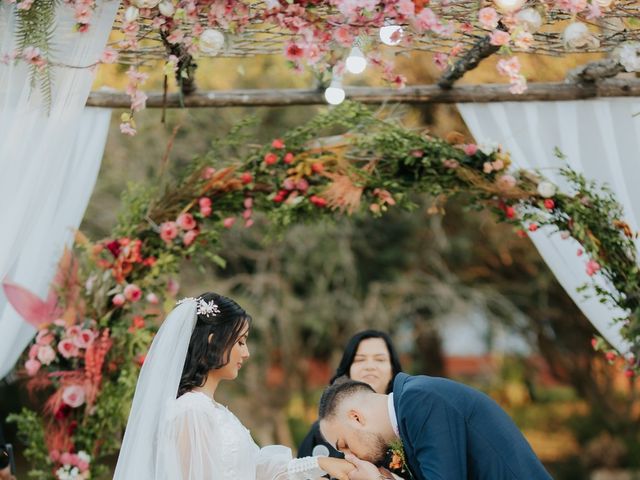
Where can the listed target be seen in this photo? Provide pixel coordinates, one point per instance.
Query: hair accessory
(208, 309)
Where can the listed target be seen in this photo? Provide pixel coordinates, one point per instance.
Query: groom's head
(353, 418)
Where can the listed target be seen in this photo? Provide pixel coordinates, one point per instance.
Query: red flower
(629, 373)
(228, 222)
(114, 247)
(533, 227)
(318, 201)
(270, 158)
(277, 143)
(594, 343)
(509, 211)
(317, 167)
(521, 233)
(592, 267)
(549, 204)
(136, 323)
(149, 261)
(288, 158)
(246, 178)
(610, 356)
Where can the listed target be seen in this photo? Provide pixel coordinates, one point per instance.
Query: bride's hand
(336, 467)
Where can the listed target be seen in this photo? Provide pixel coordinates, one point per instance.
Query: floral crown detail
(204, 308)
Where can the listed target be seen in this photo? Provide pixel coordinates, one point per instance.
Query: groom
(449, 431)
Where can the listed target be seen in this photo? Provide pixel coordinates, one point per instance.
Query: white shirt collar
(392, 414)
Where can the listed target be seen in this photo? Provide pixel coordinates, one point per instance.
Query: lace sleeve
(275, 463)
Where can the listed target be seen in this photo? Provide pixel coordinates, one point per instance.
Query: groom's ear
(356, 416)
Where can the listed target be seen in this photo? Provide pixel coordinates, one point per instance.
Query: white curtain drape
(48, 160)
(601, 139)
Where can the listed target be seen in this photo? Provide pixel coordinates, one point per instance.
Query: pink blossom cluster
(132, 293)
(511, 68)
(73, 466)
(184, 226)
(66, 342)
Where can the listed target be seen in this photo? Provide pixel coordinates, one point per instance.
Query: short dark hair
(337, 392)
(352, 347)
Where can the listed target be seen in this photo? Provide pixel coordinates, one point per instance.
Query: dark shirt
(4, 456)
(314, 439)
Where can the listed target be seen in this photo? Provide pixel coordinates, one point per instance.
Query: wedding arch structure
(97, 320)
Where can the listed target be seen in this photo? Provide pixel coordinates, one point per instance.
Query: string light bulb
(356, 63)
(334, 94)
(391, 34)
(508, 6)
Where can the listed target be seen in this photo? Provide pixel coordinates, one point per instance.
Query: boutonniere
(398, 461)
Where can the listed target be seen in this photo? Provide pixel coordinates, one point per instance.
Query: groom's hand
(364, 470)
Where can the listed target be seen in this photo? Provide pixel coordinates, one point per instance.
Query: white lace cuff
(305, 468)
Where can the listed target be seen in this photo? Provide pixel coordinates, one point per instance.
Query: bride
(176, 429)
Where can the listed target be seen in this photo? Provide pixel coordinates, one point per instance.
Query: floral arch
(109, 295)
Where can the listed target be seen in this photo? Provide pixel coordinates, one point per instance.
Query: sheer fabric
(48, 160)
(201, 439)
(192, 437)
(601, 139)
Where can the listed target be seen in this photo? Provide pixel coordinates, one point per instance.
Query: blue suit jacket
(453, 432)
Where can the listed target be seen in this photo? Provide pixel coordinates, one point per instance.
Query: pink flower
(499, 38)
(248, 202)
(186, 221)
(168, 231)
(138, 101)
(228, 222)
(67, 348)
(593, 267)
(205, 206)
(109, 56)
(32, 367)
(488, 18)
(247, 214)
(127, 129)
(302, 185)
(33, 352)
(509, 67)
(451, 163)
(132, 292)
(506, 182)
(44, 337)
(208, 173)
(523, 40)
(152, 298)
(172, 287)
(406, 8)
(189, 237)
(46, 355)
(518, 85)
(497, 165)
(85, 338)
(470, 149)
(343, 36)
(427, 20)
(248, 223)
(277, 143)
(73, 396)
(118, 300)
(72, 332)
(34, 56)
(66, 458)
(487, 168)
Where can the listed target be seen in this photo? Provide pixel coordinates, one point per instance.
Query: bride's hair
(212, 340)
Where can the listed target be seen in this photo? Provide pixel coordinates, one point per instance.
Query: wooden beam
(418, 94)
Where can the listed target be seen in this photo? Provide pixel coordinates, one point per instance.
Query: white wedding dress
(201, 439)
(192, 437)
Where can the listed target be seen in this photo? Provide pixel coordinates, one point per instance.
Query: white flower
(509, 5)
(604, 3)
(46, 354)
(166, 8)
(146, 3)
(530, 19)
(628, 56)
(577, 35)
(211, 41)
(546, 189)
(84, 456)
(131, 14)
(488, 147)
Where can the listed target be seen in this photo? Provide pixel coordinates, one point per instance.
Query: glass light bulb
(509, 5)
(391, 34)
(356, 63)
(334, 94)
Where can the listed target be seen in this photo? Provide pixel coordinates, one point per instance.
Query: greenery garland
(112, 294)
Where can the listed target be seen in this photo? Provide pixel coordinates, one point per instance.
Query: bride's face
(239, 353)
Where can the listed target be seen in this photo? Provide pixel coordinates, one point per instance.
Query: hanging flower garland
(331, 37)
(110, 295)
